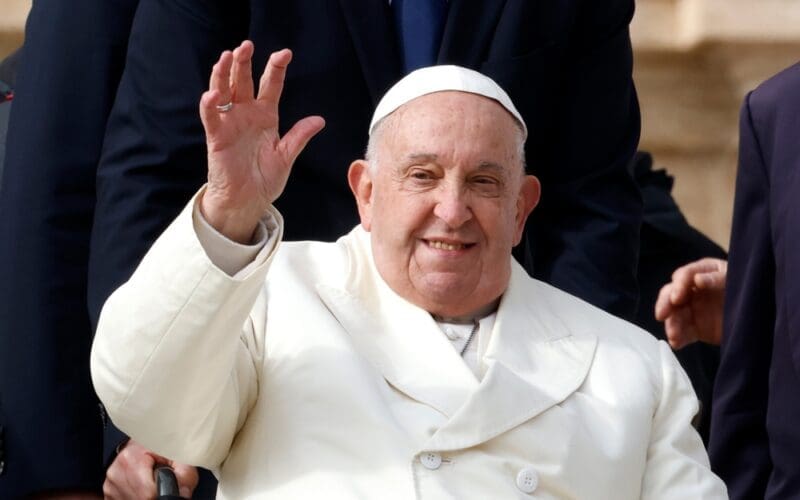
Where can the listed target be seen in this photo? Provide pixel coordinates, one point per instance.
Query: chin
(448, 297)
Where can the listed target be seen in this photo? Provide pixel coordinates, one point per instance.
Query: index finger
(187, 477)
(271, 84)
(682, 283)
(663, 307)
(141, 477)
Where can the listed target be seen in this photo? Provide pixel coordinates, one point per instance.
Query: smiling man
(412, 358)
(445, 195)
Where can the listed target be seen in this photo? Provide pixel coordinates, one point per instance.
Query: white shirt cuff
(231, 257)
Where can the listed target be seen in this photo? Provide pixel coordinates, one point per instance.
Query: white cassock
(305, 376)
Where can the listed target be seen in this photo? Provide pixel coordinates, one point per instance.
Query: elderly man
(411, 358)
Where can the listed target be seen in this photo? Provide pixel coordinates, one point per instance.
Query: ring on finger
(224, 108)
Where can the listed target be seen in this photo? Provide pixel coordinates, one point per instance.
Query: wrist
(237, 223)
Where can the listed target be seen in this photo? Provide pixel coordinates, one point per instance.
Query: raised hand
(691, 304)
(248, 161)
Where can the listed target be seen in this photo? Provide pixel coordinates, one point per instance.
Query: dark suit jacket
(755, 437)
(67, 78)
(566, 65)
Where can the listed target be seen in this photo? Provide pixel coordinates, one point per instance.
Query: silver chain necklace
(471, 334)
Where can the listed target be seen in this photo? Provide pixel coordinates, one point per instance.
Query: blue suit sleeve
(154, 155)
(739, 447)
(66, 81)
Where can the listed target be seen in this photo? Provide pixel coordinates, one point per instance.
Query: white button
(431, 460)
(527, 480)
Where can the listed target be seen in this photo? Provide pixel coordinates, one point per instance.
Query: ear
(359, 176)
(529, 194)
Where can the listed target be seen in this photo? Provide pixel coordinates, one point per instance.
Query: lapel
(534, 359)
(375, 41)
(468, 31)
(401, 340)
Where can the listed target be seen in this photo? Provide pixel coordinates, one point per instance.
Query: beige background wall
(694, 62)
(12, 20)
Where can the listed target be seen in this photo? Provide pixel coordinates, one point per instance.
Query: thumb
(187, 477)
(296, 139)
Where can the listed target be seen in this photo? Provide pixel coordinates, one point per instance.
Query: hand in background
(130, 476)
(691, 304)
(248, 161)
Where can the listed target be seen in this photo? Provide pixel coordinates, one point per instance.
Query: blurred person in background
(66, 81)
(749, 304)
(755, 442)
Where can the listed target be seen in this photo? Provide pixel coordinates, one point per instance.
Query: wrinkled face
(447, 201)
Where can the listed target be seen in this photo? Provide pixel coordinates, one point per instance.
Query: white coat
(306, 376)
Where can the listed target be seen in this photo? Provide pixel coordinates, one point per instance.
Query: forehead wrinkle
(426, 157)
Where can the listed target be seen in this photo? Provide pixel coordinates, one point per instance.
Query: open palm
(248, 161)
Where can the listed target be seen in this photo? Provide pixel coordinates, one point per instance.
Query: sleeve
(677, 464)
(585, 232)
(739, 445)
(186, 375)
(154, 154)
(233, 258)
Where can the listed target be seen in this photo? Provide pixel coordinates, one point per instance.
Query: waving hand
(248, 161)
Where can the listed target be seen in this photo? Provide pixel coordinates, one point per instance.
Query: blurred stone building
(12, 21)
(694, 62)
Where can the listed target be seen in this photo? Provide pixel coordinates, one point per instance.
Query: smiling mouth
(443, 245)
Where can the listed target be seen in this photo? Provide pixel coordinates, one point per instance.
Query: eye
(421, 175)
(419, 178)
(486, 185)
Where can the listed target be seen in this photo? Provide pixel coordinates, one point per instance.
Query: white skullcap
(438, 79)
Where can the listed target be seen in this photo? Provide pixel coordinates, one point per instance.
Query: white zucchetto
(440, 79)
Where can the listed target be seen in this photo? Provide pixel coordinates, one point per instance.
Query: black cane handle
(166, 483)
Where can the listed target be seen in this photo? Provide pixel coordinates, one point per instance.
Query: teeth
(440, 245)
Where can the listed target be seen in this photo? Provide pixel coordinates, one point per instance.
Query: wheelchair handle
(166, 483)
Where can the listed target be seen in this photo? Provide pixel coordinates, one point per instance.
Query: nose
(453, 206)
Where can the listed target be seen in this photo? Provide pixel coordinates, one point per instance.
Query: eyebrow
(430, 157)
(414, 159)
(490, 165)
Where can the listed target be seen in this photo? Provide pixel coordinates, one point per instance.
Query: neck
(469, 317)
